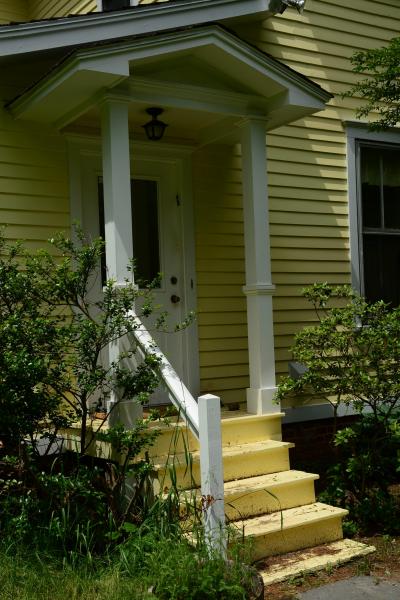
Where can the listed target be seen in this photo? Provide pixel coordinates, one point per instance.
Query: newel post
(212, 476)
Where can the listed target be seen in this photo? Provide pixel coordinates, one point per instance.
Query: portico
(215, 89)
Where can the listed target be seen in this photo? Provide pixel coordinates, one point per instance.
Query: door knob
(175, 299)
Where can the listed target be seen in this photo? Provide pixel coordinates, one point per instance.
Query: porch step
(268, 493)
(240, 462)
(270, 503)
(315, 559)
(237, 427)
(263, 494)
(293, 529)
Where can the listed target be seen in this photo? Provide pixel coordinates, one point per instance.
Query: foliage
(54, 335)
(381, 89)
(368, 465)
(352, 355)
(148, 565)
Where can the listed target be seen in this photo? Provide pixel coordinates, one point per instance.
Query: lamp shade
(155, 128)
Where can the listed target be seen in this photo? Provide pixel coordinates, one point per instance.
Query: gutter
(73, 31)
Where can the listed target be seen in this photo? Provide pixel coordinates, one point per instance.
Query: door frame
(82, 148)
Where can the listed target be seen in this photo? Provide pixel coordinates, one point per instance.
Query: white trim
(80, 146)
(106, 66)
(358, 132)
(259, 287)
(117, 189)
(146, 18)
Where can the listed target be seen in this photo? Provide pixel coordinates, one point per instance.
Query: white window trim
(359, 133)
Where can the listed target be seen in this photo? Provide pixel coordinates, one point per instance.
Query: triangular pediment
(190, 70)
(206, 69)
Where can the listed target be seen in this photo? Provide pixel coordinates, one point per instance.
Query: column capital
(253, 119)
(113, 98)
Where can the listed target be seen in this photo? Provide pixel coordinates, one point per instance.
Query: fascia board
(115, 60)
(99, 27)
(215, 36)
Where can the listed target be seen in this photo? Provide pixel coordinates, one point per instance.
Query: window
(379, 212)
(145, 233)
(115, 4)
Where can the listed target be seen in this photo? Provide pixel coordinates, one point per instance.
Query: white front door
(158, 249)
(158, 246)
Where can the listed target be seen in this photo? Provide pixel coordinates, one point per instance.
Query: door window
(145, 229)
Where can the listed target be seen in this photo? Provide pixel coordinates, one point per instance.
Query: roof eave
(157, 17)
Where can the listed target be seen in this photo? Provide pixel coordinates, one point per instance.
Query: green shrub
(352, 356)
(367, 465)
(53, 337)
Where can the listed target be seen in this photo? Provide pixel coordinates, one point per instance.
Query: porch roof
(205, 68)
(73, 30)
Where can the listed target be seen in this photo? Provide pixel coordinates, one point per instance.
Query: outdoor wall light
(155, 128)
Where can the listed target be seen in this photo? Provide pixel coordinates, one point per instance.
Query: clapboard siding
(220, 272)
(307, 175)
(34, 202)
(308, 190)
(48, 9)
(307, 161)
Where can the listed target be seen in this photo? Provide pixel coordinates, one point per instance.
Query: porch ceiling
(204, 69)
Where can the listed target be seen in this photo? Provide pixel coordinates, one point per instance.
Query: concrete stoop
(264, 499)
(312, 560)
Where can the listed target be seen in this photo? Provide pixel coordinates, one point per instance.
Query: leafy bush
(53, 338)
(368, 464)
(353, 357)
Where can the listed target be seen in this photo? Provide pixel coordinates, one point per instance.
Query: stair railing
(203, 417)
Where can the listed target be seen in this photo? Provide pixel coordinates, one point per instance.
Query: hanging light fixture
(155, 128)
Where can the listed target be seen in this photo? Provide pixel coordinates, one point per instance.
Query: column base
(260, 401)
(126, 413)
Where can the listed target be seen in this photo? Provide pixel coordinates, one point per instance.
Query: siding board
(34, 198)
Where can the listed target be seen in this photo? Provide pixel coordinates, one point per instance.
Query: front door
(157, 231)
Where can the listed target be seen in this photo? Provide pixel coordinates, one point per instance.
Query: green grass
(145, 567)
(40, 578)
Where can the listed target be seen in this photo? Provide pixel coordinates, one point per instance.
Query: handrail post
(212, 477)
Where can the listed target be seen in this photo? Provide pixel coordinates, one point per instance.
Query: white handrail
(180, 396)
(204, 420)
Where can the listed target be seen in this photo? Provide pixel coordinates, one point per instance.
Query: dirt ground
(383, 564)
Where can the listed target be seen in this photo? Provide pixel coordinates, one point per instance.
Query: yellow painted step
(262, 494)
(312, 560)
(293, 529)
(242, 428)
(237, 427)
(268, 493)
(242, 461)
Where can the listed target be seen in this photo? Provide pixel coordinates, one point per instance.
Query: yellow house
(254, 191)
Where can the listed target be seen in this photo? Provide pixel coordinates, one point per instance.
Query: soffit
(204, 68)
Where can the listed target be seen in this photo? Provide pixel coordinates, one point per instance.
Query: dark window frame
(381, 232)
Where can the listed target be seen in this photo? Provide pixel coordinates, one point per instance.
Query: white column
(212, 476)
(259, 287)
(118, 224)
(117, 189)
